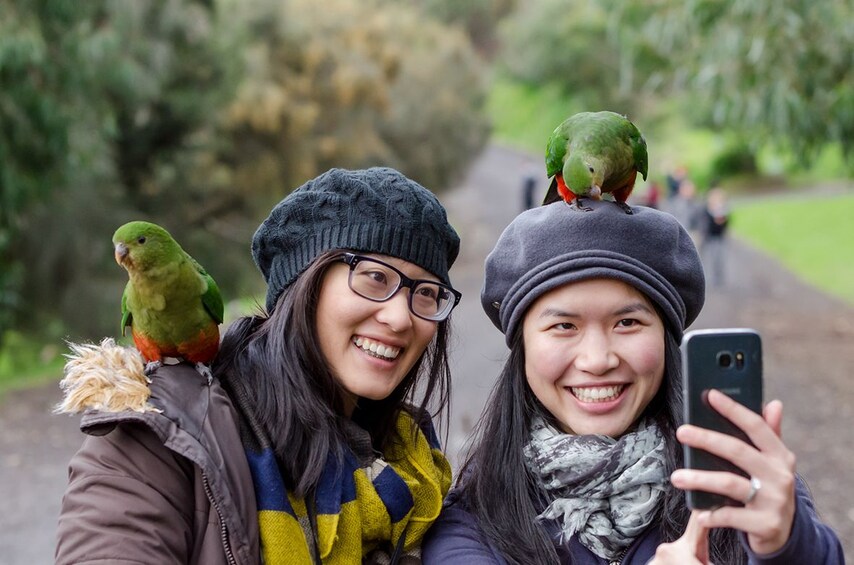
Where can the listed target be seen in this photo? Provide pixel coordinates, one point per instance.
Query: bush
(350, 85)
(199, 116)
(734, 160)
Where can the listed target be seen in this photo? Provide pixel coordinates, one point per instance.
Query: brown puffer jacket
(164, 483)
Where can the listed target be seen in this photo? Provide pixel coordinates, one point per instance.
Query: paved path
(809, 355)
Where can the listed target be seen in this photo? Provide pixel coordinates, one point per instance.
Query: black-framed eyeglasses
(378, 281)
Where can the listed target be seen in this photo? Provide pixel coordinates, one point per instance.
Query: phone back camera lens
(725, 359)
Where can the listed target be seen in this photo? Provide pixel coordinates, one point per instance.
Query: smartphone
(729, 360)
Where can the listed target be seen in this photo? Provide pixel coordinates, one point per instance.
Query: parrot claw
(577, 205)
(626, 208)
(205, 371)
(151, 367)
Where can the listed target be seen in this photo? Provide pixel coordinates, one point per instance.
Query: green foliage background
(773, 72)
(199, 115)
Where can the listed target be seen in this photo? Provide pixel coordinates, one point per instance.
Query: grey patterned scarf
(604, 490)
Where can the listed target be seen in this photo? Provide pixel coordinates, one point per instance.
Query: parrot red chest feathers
(563, 190)
(199, 349)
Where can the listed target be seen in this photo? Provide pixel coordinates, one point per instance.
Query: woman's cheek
(650, 356)
(546, 362)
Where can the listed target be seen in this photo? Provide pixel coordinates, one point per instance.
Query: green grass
(813, 237)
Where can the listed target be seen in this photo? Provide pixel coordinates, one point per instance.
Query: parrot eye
(141, 239)
(591, 169)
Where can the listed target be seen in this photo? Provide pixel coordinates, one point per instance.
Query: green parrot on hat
(593, 153)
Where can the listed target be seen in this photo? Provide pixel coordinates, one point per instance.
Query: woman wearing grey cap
(313, 443)
(576, 455)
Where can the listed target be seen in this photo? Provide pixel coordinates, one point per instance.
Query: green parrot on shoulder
(172, 305)
(592, 153)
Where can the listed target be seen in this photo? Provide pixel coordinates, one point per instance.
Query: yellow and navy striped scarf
(358, 509)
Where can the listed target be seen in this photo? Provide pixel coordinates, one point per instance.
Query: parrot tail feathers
(552, 194)
(105, 377)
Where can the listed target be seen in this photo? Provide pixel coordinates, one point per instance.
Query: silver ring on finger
(755, 486)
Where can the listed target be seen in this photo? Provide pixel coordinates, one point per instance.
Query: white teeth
(377, 349)
(597, 394)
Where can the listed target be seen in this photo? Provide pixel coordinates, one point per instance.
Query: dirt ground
(808, 340)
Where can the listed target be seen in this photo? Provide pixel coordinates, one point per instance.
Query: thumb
(697, 536)
(773, 413)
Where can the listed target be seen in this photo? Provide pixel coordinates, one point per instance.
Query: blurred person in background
(674, 180)
(686, 208)
(653, 195)
(715, 220)
(531, 172)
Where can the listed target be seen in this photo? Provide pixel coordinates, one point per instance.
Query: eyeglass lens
(378, 282)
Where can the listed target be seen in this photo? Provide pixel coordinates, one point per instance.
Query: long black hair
(497, 487)
(272, 364)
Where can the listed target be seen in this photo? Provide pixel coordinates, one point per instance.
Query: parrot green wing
(556, 150)
(126, 315)
(212, 298)
(639, 153)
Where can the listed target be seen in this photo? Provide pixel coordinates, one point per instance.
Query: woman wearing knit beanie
(313, 443)
(577, 458)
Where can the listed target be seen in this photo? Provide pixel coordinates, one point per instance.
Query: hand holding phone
(729, 360)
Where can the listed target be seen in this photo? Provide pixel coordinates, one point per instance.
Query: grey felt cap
(549, 246)
(375, 210)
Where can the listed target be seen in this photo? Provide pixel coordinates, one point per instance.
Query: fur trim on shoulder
(105, 377)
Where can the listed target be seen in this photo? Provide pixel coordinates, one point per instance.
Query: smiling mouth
(597, 393)
(376, 349)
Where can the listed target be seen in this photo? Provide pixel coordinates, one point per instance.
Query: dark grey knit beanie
(376, 210)
(549, 246)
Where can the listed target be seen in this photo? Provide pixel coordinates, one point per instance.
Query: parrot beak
(595, 192)
(121, 253)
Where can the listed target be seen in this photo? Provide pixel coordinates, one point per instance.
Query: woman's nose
(595, 354)
(395, 313)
